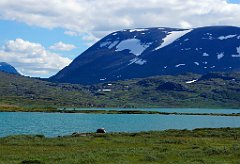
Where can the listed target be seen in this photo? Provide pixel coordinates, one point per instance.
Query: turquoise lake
(59, 124)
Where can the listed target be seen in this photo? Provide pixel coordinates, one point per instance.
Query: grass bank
(16, 108)
(143, 112)
(171, 146)
(91, 111)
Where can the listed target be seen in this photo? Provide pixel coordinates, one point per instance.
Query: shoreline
(178, 132)
(119, 112)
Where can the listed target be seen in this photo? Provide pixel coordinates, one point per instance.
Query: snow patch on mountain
(209, 36)
(205, 54)
(109, 44)
(220, 55)
(140, 62)
(179, 65)
(138, 30)
(226, 37)
(196, 63)
(104, 44)
(192, 81)
(137, 61)
(134, 45)
(171, 37)
(238, 51)
(113, 44)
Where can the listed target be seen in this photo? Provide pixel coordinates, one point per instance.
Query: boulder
(101, 130)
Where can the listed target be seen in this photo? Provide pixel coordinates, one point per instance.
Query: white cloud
(97, 18)
(185, 24)
(90, 39)
(62, 46)
(32, 58)
(71, 33)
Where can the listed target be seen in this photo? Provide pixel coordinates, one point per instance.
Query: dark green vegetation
(214, 90)
(92, 111)
(171, 146)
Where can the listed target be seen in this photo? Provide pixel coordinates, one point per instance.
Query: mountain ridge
(139, 53)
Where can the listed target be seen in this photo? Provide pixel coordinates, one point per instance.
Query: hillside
(25, 91)
(213, 90)
(139, 53)
(189, 90)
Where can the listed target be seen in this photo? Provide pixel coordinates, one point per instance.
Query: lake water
(54, 124)
(179, 110)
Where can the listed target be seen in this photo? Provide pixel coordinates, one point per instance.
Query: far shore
(111, 111)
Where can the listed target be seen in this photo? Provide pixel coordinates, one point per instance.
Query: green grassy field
(172, 146)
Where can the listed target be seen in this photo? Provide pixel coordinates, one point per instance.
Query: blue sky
(10, 30)
(234, 1)
(39, 38)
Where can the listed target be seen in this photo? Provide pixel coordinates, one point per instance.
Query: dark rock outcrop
(171, 86)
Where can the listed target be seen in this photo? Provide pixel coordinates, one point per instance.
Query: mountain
(5, 67)
(137, 53)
